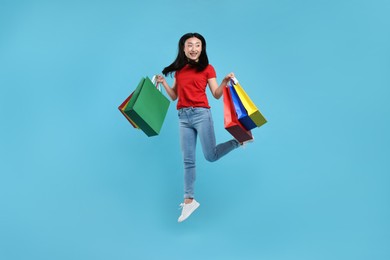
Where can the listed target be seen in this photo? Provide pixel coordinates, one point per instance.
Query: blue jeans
(194, 122)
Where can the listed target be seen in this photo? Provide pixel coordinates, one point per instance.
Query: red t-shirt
(191, 86)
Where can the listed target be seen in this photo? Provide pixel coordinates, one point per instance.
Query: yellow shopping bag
(253, 112)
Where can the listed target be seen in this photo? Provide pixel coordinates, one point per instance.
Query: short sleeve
(211, 72)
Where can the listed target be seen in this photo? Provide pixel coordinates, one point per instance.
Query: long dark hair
(181, 59)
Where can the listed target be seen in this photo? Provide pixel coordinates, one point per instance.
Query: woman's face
(193, 48)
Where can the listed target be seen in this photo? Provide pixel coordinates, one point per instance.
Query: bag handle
(233, 81)
(154, 81)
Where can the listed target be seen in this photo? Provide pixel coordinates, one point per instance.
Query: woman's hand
(227, 78)
(160, 79)
(171, 91)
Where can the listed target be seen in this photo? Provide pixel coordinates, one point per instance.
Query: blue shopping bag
(241, 112)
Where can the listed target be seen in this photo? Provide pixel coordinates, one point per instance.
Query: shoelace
(181, 206)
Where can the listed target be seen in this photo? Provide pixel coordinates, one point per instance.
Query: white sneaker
(187, 209)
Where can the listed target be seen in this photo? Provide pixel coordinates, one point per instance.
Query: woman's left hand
(228, 77)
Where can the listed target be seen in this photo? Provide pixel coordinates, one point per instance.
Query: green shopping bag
(147, 107)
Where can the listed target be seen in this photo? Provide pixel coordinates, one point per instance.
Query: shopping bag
(253, 112)
(231, 122)
(122, 109)
(241, 112)
(147, 107)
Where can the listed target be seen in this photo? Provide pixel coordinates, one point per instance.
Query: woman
(192, 75)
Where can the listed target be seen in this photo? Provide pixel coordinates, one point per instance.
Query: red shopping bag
(231, 122)
(122, 108)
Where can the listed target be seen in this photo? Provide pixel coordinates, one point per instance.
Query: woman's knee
(211, 157)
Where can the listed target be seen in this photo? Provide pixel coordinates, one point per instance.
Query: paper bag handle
(234, 79)
(154, 81)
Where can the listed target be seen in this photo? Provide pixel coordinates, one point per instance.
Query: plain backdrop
(78, 182)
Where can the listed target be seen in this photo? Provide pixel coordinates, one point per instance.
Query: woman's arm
(171, 91)
(218, 90)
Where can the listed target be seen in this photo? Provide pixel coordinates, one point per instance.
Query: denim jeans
(194, 122)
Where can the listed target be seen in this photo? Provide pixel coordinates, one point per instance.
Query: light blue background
(77, 182)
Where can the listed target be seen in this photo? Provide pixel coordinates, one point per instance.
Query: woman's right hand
(170, 91)
(160, 79)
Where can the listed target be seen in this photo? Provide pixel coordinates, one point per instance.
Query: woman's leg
(205, 128)
(188, 146)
